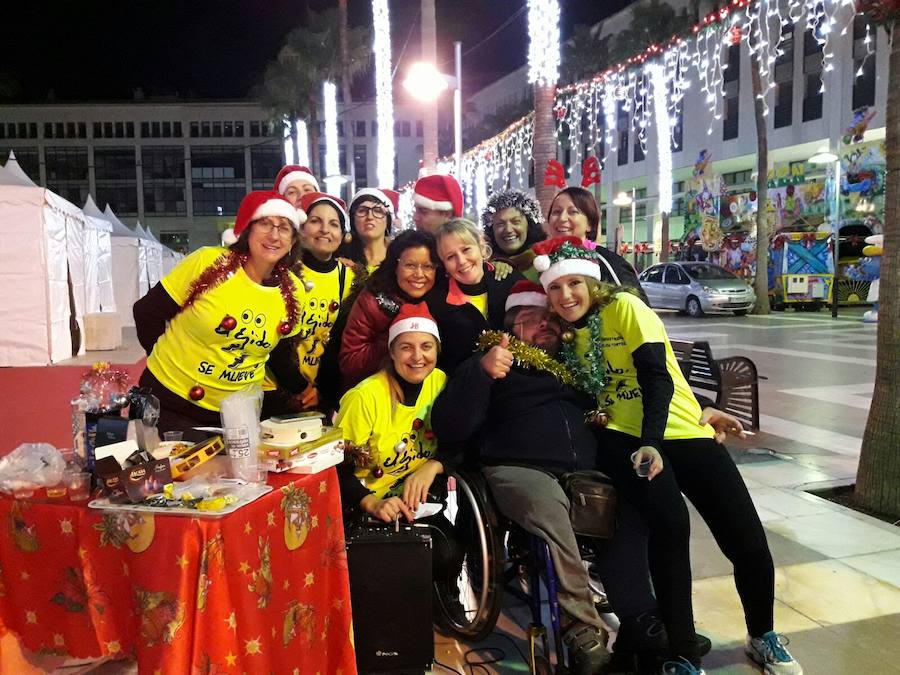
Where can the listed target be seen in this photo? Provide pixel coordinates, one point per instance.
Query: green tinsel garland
(527, 355)
(591, 379)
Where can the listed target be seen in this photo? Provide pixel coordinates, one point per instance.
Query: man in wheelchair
(529, 429)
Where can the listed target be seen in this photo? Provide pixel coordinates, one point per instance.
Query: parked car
(696, 288)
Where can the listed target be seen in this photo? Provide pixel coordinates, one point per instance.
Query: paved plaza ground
(837, 571)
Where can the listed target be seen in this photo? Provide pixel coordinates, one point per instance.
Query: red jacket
(364, 344)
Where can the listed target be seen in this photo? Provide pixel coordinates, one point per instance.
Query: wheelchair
(496, 553)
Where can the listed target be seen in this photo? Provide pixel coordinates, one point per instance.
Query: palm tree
(292, 83)
(761, 282)
(584, 54)
(878, 476)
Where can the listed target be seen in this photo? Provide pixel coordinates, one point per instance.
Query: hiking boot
(587, 649)
(681, 667)
(769, 651)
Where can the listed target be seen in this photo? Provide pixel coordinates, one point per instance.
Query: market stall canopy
(13, 174)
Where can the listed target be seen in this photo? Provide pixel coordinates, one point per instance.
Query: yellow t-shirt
(318, 314)
(627, 324)
(366, 415)
(195, 349)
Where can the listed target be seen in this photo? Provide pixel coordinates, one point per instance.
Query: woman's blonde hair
(465, 229)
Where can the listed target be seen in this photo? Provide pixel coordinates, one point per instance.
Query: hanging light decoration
(288, 143)
(656, 73)
(302, 143)
(333, 181)
(543, 48)
(384, 96)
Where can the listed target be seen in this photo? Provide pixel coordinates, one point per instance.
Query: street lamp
(622, 200)
(425, 83)
(823, 157)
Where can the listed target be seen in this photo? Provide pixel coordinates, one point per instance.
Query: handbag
(592, 503)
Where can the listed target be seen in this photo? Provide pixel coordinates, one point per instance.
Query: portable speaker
(390, 589)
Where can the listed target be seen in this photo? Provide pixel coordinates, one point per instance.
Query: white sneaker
(769, 651)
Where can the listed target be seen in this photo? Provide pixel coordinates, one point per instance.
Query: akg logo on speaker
(378, 652)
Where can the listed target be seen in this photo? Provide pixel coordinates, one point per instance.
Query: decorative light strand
(289, 157)
(656, 73)
(332, 158)
(543, 48)
(384, 97)
(302, 143)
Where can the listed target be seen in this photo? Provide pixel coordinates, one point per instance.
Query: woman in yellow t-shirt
(619, 352)
(208, 327)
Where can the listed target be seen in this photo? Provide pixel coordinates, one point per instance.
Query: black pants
(179, 414)
(703, 470)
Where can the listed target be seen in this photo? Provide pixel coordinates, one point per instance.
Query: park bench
(731, 381)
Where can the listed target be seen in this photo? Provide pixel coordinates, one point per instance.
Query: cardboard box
(134, 483)
(326, 455)
(270, 451)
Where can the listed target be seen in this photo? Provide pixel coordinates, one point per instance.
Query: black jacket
(460, 325)
(527, 418)
(616, 270)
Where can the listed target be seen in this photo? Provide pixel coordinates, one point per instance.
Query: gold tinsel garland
(526, 355)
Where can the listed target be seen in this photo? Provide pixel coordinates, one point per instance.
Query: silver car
(696, 287)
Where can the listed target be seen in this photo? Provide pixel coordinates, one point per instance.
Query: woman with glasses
(212, 321)
(406, 275)
(371, 216)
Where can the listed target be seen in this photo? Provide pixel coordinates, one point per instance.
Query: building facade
(181, 168)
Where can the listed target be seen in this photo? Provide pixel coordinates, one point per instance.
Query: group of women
(326, 309)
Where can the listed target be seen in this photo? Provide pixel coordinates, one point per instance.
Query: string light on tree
(384, 97)
(333, 180)
(656, 73)
(543, 49)
(288, 143)
(302, 143)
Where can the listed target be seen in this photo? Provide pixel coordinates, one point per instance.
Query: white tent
(169, 257)
(154, 256)
(127, 266)
(43, 259)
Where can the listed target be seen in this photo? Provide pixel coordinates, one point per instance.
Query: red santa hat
(440, 192)
(413, 318)
(262, 204)
(526, 293)
(309, 199)
(379, 196)
(291, 174)
(561, 256)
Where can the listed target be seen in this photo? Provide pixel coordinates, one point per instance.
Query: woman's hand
(415, 487)
(309, 397)
(388, 510)
(501, 269)
(648, 452)
(722, 423)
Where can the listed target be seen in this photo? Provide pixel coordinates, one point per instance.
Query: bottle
(79, 405)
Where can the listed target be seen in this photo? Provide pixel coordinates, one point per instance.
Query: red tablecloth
(262, 590)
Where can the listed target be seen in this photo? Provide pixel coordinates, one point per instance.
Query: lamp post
(425, 83)
(622, 200)
(824, 157)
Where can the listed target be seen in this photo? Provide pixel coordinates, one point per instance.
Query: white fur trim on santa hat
(282, 209)
(293, 177)
(526, 299)
(568, 266)
(426, 203)
(228, 237)
(375, 194)
(413, 324)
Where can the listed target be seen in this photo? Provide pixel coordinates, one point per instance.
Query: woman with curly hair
(512, 222)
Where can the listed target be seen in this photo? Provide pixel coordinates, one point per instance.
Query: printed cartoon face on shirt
(250, 329)
(409, 449)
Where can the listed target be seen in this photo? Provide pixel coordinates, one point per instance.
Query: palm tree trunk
(664, 237)
(544, 146)
(316, 162)
(429, 110)
(294, 147)
(878, 476)
(761, 282)
(345, 52)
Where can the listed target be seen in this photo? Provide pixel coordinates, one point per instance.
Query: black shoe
(587, 649)
(642, 634)
(704, 643)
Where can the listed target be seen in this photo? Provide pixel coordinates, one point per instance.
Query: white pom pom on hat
(542, 263)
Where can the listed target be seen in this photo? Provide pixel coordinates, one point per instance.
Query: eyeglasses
(425, 268)
(535, 320)
(377, 212)
(266, 225)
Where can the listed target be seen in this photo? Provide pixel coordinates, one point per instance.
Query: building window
(176, 129)
(177, 240)
(731, 117)
(167, 129)
(340, 126)
(638, 152)
(419, 128)
(238, 129)
(360, 129)
(739, 178)
(360, 164)
(195, 129)
(731, 84)
(205, 130)
(228, 129)
(812, 77)
(678, 129)
(217, 129)
(145, 129)
(115, 176)
(155, 129)
(48, 129)
(373, 126)
(67, 172)
(163, 180)
(342, 159)
(254, 129)
(265, 163)
(129, 129)
(405, 129)
(120, 130)
(622, 127)
(217, 179)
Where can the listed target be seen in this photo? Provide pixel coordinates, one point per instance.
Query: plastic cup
(242, 456)
(643, 469)
(173, 435)
(79, 485)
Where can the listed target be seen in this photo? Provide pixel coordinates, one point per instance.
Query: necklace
(591, 379)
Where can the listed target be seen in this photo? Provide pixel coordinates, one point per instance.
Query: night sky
(204, 49)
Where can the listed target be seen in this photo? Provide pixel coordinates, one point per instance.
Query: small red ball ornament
(378, 472)
(333, 306)
(197, 392)
(228, 323)
(284, 328)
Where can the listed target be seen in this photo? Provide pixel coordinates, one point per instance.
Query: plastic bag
(240, 426)
(31, 465)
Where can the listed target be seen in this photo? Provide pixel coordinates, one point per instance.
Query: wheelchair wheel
(468, 605)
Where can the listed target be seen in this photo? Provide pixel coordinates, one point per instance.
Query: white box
(102, 331)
